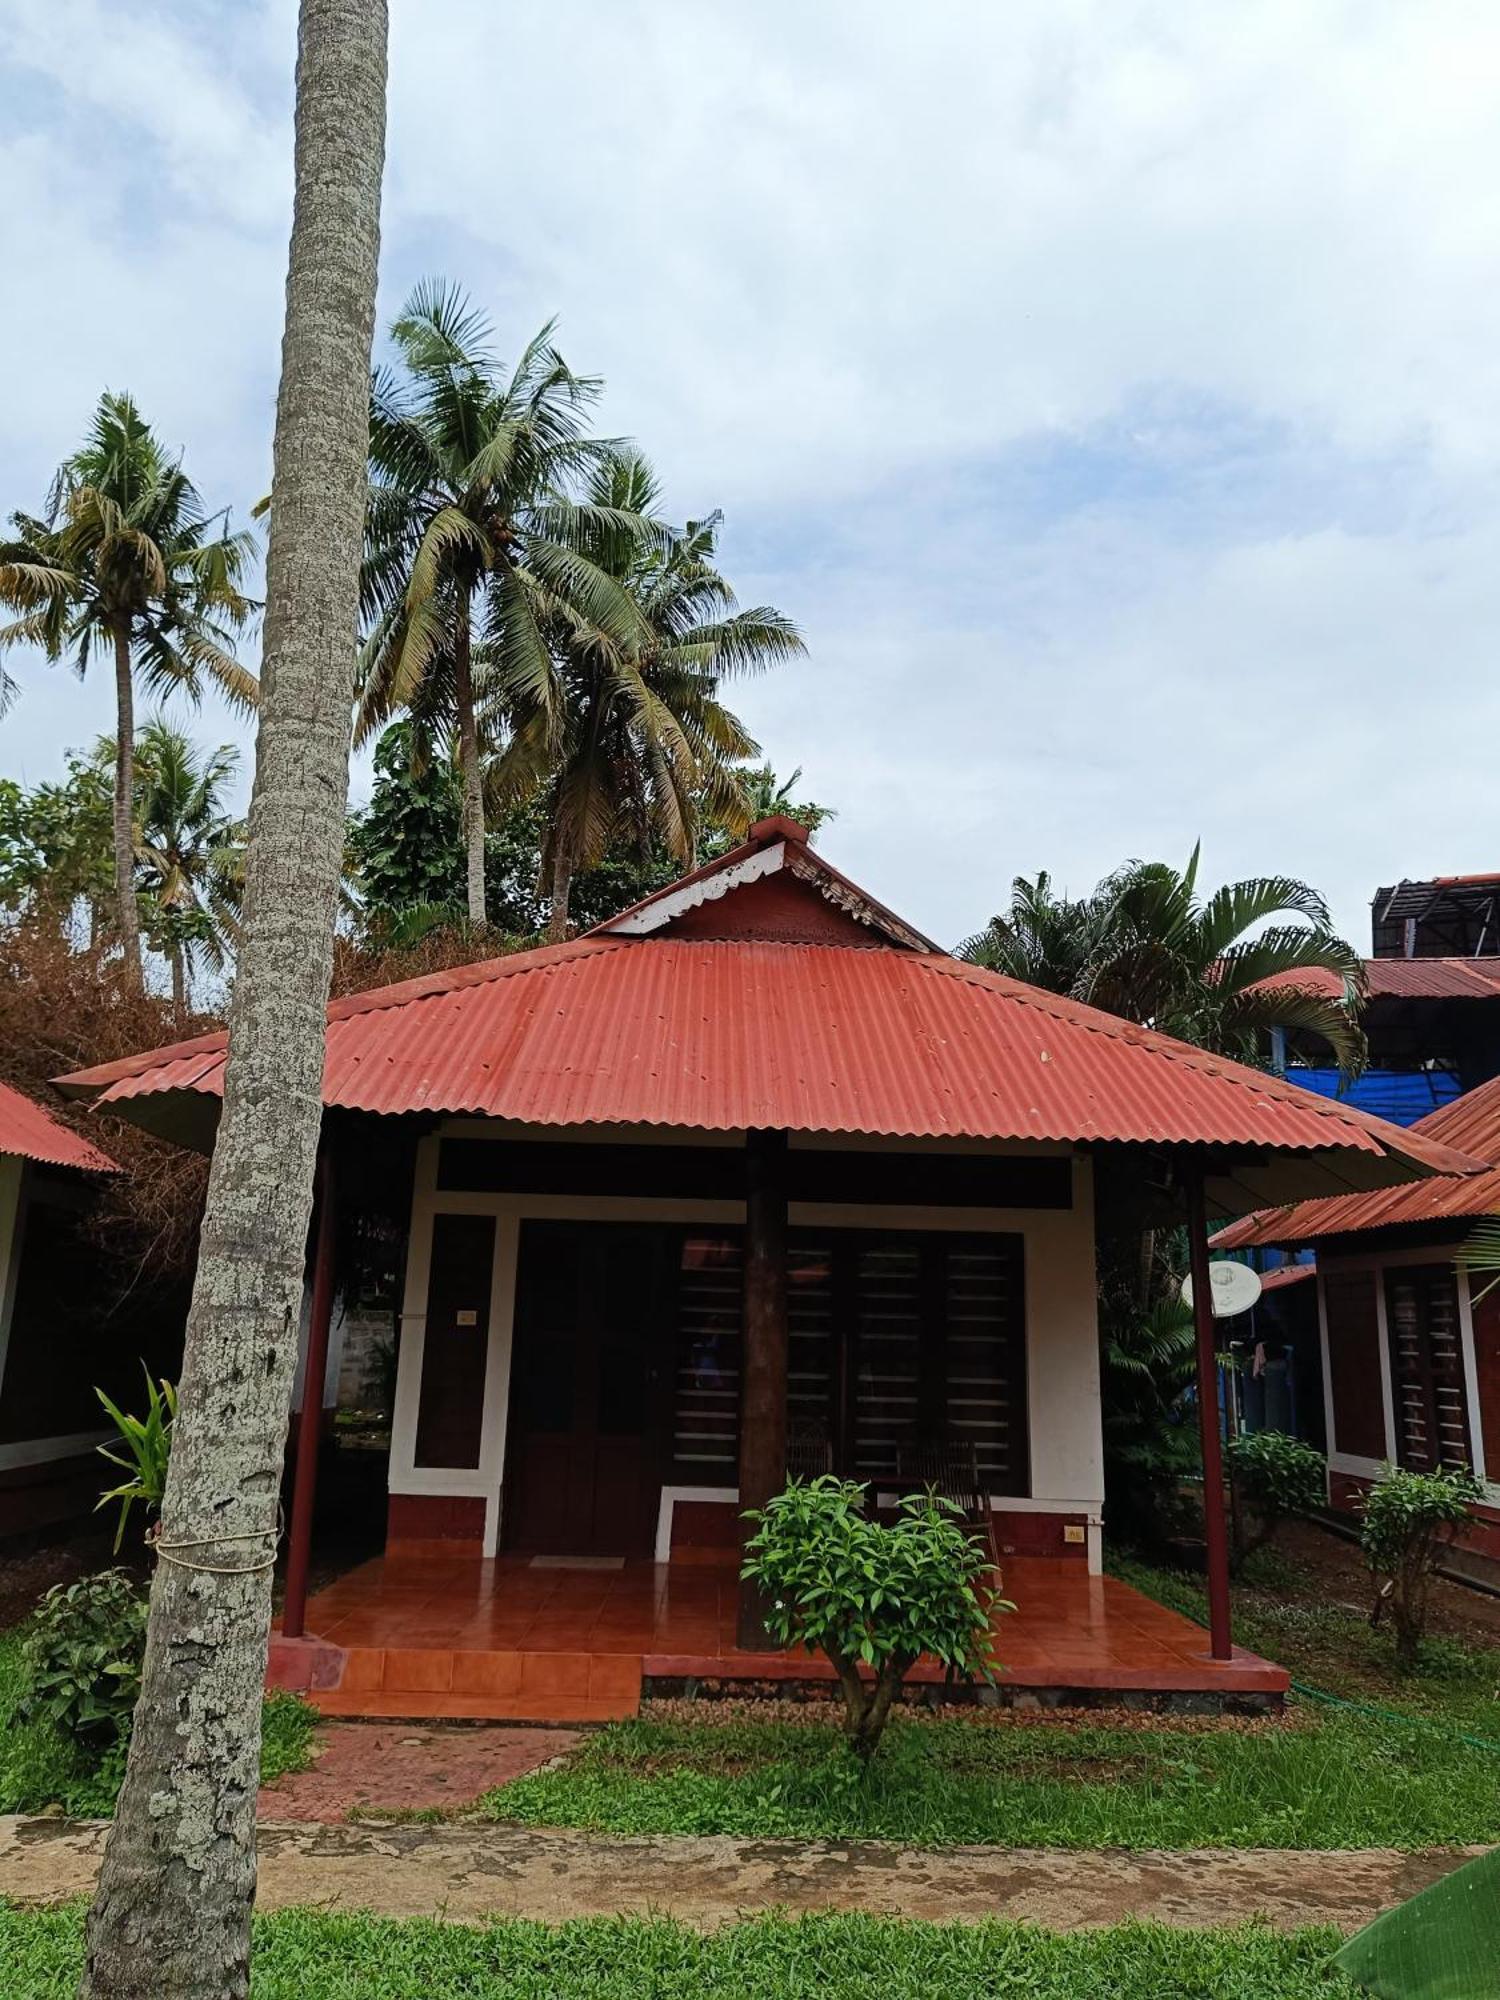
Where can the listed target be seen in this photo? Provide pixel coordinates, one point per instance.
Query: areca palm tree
(190, 852)
(473, 537)
(1147, 945)
(632, 743)
(125, 559)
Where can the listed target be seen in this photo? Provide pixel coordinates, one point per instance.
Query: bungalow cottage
(50, 1419)
(1410, 1340)
(752, 1173)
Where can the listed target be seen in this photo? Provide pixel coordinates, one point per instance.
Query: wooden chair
(950, 1467)
(809, 1449)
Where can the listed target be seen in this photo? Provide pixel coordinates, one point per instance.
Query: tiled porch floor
(437, 1635)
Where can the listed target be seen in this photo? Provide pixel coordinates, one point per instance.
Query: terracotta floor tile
(424, 1670)
(614, 1676)
(492, 1674)
(586, 1630)
(555, 1674)
(364, 1671)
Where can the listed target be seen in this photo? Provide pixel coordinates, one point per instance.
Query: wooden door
(582, 1473)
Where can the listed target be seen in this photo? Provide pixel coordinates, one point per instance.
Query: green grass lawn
(40, 1767)
(1338, 1783)
(1405, 1766)
(303, 1956)
(1282, 1609)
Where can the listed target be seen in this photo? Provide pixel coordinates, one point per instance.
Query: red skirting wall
(454, 1520)
(708, 1531)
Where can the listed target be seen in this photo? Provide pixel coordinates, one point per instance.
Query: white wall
(1067, 1471)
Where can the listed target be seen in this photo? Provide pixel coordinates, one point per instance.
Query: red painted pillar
(310, 1420)
(1215, 1530)
(764, 1363)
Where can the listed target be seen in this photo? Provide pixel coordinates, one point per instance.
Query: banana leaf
(1442, 1945)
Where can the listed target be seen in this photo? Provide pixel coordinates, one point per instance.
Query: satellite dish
(1235, 1288)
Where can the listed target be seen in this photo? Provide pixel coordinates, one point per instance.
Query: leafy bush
(1277, 1477)
(83, 1657)
(867, 1594)
(1409, 1519)
(1151, 1449)
(147, 1443)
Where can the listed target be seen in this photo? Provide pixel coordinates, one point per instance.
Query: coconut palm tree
(190, 852)
(1147, 945)
(771, 797)
(632, 743)
(126, 560)
(472, 538)
(171, 1916)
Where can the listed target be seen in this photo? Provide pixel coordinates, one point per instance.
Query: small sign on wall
(466, 1316)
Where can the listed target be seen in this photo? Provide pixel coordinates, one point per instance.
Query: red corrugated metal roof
(726, 1035)
(1471, 1123)
(26, 1129)
(1287, 1274)
(1404, 979)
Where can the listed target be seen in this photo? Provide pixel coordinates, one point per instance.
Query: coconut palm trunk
(124, 809)
(562, 895)
(171, 1919)
(470, 774)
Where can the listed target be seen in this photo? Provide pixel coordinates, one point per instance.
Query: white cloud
(1107, 384)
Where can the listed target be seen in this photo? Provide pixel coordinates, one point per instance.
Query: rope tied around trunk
(172, 1551)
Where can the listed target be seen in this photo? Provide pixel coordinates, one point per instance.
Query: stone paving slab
(370, 1765)
(472, 1872)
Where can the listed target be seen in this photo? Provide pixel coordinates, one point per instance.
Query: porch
(419, 1633)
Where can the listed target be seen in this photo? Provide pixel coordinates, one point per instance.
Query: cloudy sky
(1108, 387)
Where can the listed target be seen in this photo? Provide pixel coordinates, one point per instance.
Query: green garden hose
(1328, 1700)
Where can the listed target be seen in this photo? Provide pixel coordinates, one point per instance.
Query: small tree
(870, 1595)
(1277, 1477)
(1410, 1518)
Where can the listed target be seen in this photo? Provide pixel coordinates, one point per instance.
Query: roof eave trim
(643, 918)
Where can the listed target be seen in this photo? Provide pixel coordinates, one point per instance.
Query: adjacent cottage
(1410, 1339)
(50, 1418)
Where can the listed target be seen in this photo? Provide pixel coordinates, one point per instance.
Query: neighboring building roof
(1447, 913)
(1285, 1275)
(1471, 1123)
(737, 1027)
(34, 1134)
(1403, 979)
(1400, 1096)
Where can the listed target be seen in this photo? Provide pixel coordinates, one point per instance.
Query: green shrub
(147, 1445)
(82, 1659)
(872, 1595)
(1409, 1519)
(1152, 1457)
(1276, 1477)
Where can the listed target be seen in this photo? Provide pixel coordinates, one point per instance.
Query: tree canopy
(1147, 944)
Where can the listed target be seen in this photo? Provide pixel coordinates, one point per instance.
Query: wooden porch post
(310, 1418)
(763, 1368)
(1215, 1533)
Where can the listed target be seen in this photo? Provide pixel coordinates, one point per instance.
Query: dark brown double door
(583, 1470)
